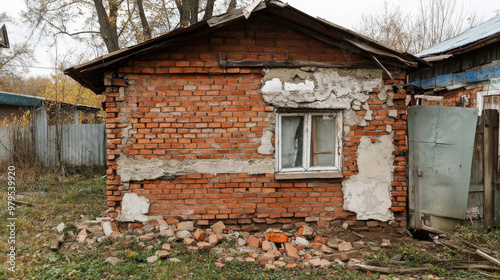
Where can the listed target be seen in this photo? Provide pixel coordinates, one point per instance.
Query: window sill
(308, 175)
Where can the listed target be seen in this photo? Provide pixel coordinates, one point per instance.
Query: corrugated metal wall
(80, 144)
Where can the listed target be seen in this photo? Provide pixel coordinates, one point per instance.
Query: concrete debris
(270, 266)
(280, 264)
(167, 233)
(266, 246)
(163, 225)
(189, 226)
(152, 259)
(107, 228)
(358, 245)
(241, 242)
(396, 257)
(306, 231)
(189, 241)
(219, 265)
(320, 262)
(60, 227)
(385, 243)
(82, 236)
(212, 239)
(174, 260)
(112, 260)
(182, 234)
(54, 245)
(301, 241)
(162, 254)
(203, 245)
(218, 227)
(333, 244)
(147, 237)
(345, 246)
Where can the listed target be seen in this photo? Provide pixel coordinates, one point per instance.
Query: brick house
(262, 116)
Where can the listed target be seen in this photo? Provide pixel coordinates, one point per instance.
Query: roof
(485, 33)
(4, 39)
(91, 74)
(17, 99)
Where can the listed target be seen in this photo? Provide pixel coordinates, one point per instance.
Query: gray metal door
(441, 141)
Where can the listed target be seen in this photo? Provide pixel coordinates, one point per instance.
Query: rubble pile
(273, 248)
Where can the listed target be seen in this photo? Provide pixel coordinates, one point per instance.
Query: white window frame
(335, 171)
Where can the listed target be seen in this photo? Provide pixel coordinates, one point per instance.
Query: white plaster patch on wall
(266, 144)
(368, 193)
(325, 88)
(302, 88)
(266, 147)
(134, 208)
(150, 169)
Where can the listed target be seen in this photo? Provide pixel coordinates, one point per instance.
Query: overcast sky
(344, 13)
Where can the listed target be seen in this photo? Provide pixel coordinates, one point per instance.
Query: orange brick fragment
(277, 237)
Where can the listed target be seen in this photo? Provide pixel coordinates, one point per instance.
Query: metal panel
(79, 144)
(481, 31)
(83, 144)
(5, 143)
(441, 140)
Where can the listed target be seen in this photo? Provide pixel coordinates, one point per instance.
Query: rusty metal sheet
(441, 142)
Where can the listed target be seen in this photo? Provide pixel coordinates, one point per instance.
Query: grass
(80, 195)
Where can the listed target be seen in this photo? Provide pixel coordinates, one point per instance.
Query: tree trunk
(194, 7)
(184, 14)
(107, 25)
(231, 6)
(209, 9)
(146, 31)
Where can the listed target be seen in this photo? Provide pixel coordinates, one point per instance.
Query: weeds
(77, 195)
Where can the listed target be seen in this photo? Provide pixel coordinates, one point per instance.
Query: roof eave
(395, 58)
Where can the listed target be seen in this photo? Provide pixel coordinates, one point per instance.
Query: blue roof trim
(459, 78)
(19, 100)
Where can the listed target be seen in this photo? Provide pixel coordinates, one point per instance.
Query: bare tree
(434, 22)
(118, 23)
(13, 61)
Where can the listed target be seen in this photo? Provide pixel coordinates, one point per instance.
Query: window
(308, 145)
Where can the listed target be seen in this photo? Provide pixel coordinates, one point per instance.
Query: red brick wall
(453, 98)
(181, 105)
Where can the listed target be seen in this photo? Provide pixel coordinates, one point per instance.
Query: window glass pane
(323, 140)
(292, 130)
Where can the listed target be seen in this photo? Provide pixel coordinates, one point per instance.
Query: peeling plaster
(266, 147)
(325, 88)
(368, 193)
(134, 208)
(150, 169)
